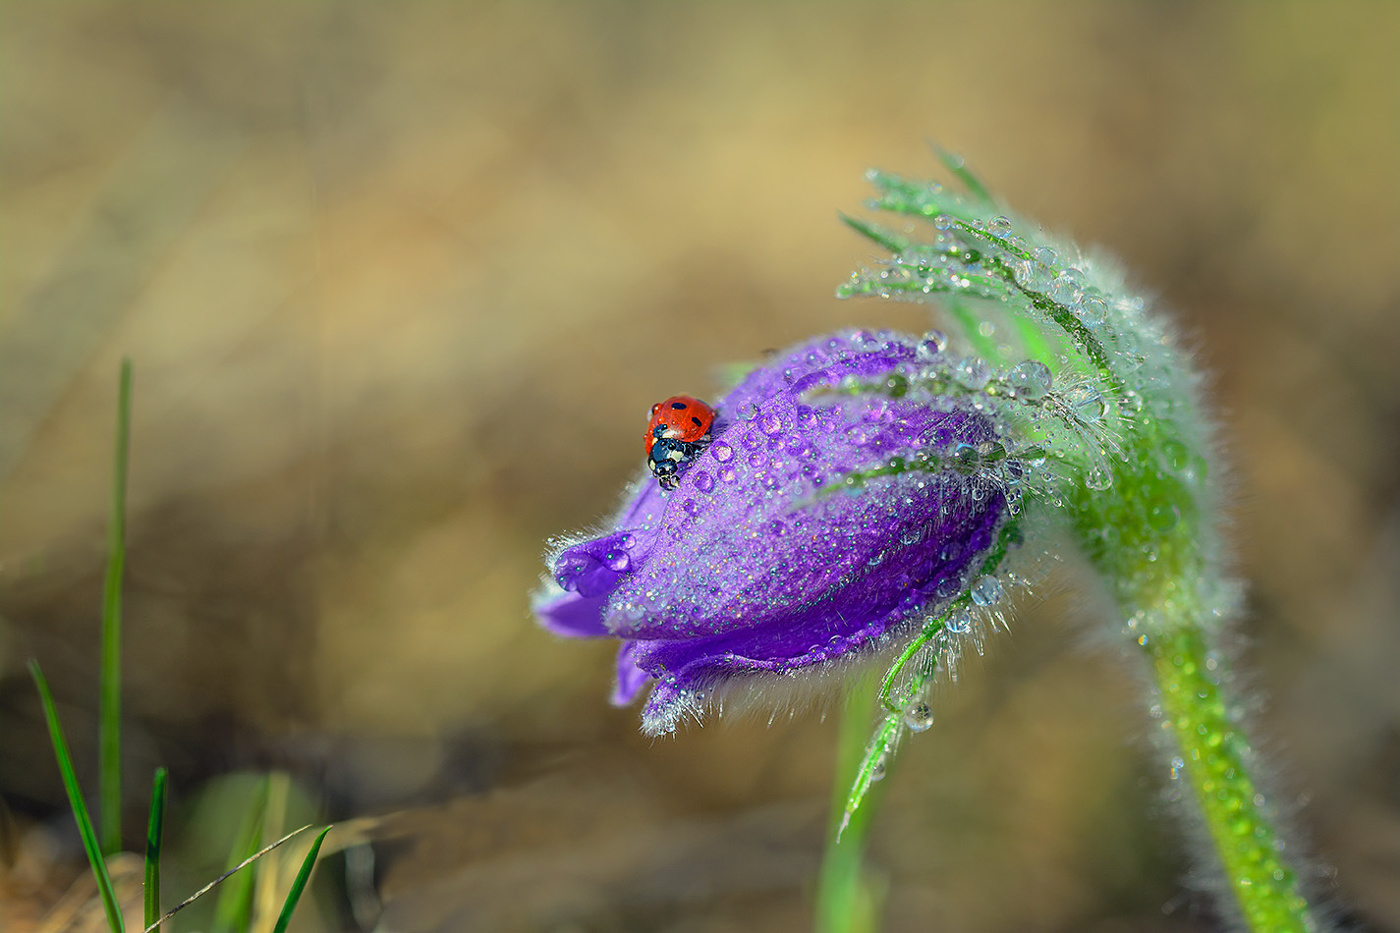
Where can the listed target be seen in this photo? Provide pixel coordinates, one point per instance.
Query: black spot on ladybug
(679, 405)
(696, 421)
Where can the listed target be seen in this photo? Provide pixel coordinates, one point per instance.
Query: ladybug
(679, 430)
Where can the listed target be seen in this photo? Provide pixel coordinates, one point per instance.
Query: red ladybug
(678, 432)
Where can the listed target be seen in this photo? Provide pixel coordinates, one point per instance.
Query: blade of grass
(224, 877)
(235, 904)
(75, 800)
(109, 721)
(298, 885)
(153, 834)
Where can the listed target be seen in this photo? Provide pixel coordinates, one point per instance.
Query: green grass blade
(75, 800)
(235, 905)
(150, 928)
(153, 835)
(303, 876)
(109, 721)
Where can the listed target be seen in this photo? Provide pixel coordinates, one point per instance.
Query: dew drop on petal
(617, 560)
(1030, 379)
(931, 345)
(691, 507)
(771, 423)
(986, 590)
(918, 717)
(727, 474)
(722, 451)
(704, 481)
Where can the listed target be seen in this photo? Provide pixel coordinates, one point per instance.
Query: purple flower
(754, 567)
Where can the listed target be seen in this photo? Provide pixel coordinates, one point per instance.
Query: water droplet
(1029, 273)
(1177, 455)
(1064, 290)
(911, 536)
(722, 451)
(959, 622)
(986, 328)
(691, 507)
(1098, 478)
(931, 345)
(973, 372)
(757, 458)
(918, 717)
(1092, 310)
(748, 411)
(986, 590)
(777, 529)
(1164, 517)
(628, 541)
(771, 423)
(704, 481)
(617, 560)
(1045, 254)
(798, 446)
(1030, 379)
(727, 474)
(897, 385)
(943, 222)
(966, 457)
(999, 226)
(1034, 455)
(1088, 405)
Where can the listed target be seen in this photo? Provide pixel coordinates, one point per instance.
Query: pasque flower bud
(817, 527)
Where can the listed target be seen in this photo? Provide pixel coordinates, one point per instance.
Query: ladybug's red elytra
(679, 430)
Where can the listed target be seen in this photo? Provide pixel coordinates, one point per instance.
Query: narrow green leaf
(153, 835)
(75, 800)
(971, 182)
(298, 885)
(235, 904)
(109, 721)
(890, 241)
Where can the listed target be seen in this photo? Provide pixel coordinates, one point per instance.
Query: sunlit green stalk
(154, 832)
(109, 722)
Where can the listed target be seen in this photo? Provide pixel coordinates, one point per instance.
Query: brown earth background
(399, 282)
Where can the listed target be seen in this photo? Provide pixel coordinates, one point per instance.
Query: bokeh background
(399, 283)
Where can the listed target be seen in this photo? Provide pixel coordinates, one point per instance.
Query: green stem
(1215, 758)
(109, 744)
(847, 902)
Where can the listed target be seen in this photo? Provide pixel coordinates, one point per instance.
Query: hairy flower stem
(1160, 572)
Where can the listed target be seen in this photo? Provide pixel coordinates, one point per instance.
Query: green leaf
(153, 836)
(75, 800)
(109, 720)
(235, 904)
(954, 163)
(299, 885)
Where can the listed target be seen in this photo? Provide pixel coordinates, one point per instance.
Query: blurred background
(399, 283)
